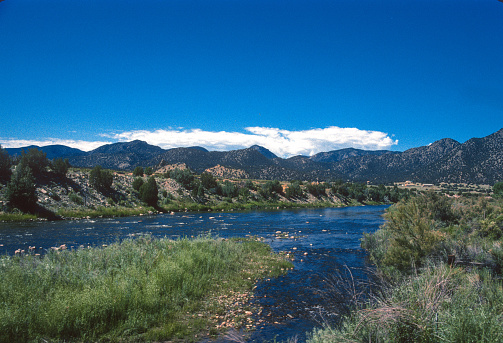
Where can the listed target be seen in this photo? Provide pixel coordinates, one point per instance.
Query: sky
(295, 76)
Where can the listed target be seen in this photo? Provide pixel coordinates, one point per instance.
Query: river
(323, 242)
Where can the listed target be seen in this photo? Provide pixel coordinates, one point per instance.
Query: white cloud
(77, 144)
(283, 143)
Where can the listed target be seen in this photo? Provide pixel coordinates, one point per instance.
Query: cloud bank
(283, 143)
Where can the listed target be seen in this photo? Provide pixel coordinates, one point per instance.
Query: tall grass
(105, 212)
(144, 289)
(421, 298)
(439, 305)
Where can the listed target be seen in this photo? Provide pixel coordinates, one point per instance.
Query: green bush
(138, 171)
(149, 192)
(21, 189)
(137, 183)
(36, 160)
(76, 198)
(5, 165)
(101, 179)
(60, 167)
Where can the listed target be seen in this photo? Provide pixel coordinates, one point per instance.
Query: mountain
(478, 160)
(263, 151)
(124, 156)
(391, 167)
(51, 151)
(342, 154)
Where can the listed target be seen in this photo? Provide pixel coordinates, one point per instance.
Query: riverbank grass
(142, 289)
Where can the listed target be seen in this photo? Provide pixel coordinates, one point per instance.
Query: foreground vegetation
(144, 289)
(438, 278)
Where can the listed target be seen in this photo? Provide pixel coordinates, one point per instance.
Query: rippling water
(323, 241)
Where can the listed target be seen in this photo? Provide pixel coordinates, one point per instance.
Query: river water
(324, 242)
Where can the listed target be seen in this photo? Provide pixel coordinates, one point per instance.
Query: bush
(60, 167)
(76, 198)
(183, 176)
(271, 189)
(101, 179)
(498, 189)
(36, 160)
(21, 189)
(208, 180)
(137, 183)
(5, 165)
(149, 192)
(294, 190)
(138, 171)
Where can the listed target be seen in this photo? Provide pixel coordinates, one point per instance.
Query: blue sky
(297, 77)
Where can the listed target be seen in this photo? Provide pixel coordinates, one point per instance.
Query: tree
(498, 189)
(183, 177)
(138, 171)
(294, 190)
(36, 160)
(149, 192)
(271, 189)
(5, 165)
(208, 180)
(21, 188)
(60, 166)
(149, 171)
(101, 179)
(228, 189)
(137, 183)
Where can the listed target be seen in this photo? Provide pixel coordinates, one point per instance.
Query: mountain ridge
(478, 160)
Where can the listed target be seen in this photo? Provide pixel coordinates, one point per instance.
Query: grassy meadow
(142, 289)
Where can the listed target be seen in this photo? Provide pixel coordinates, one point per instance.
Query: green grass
(138, 290)
(105, 212)
(17, 217)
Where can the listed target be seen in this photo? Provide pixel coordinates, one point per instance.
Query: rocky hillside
(479, 160)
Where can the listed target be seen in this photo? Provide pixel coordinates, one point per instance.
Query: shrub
(138, 171)
(5, 165)
(76, 198)
(101, 179)
(21, 188)
(36, 160)
(183, 177)
(149, 192)
(294, 190)
(137, 183)
(60, 166)
(208, 180)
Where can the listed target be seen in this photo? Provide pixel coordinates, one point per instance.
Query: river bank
(73, 197)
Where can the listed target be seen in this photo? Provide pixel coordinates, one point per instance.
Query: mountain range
(478, 160)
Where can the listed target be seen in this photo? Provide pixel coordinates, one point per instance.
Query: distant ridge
(52, 151)
(478, 160)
